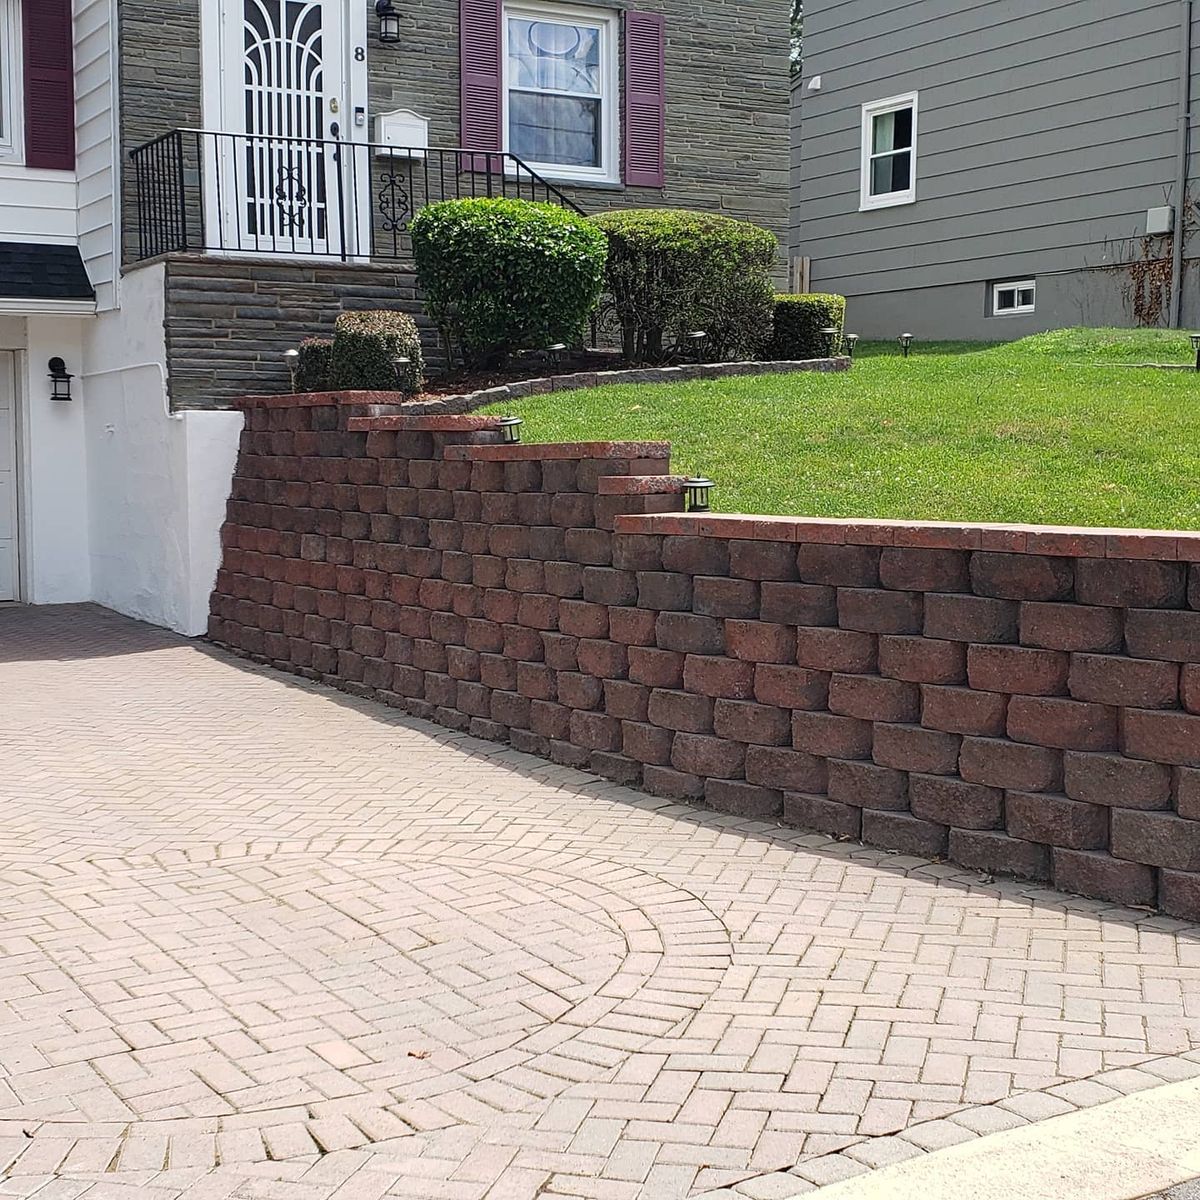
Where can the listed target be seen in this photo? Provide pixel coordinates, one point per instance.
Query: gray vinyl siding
(1046, 129)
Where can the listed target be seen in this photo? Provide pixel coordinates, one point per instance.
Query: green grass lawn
(1056, 429)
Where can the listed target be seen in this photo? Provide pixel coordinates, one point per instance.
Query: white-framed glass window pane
(560, 89)
(889, 152)
(11, 83)
(554, 129)
(1012, 299)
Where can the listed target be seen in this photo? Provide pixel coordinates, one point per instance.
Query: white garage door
(8, 478)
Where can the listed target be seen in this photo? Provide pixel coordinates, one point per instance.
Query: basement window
(1015, 298)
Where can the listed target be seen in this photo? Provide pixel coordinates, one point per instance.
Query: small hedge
(671, 271)
(365, 348)
(799, 321)
(312, 371)
(503, 275)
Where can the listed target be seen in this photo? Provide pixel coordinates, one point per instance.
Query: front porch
(337, 200)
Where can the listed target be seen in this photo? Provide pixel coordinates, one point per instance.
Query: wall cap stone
(540, 451)
(1065, 541)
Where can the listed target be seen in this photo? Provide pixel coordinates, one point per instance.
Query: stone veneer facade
(1018, 699)
(726, 86)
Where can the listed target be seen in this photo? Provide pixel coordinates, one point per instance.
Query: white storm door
(281, 185)
(8, 477)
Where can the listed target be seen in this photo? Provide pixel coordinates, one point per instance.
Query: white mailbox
(403, 130)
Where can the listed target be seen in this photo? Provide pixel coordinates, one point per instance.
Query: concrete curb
(1123, 1150)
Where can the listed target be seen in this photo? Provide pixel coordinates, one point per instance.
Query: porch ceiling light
(698, 489)
(60, 379)
(389, 22)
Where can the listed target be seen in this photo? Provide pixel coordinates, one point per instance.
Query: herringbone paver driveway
(258, 939)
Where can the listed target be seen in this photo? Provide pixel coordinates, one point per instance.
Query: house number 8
(359, 54)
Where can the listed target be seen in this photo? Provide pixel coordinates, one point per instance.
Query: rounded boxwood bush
(799, 321)
(365, 348)
(312, 370)
(671, 271)
(501, 275)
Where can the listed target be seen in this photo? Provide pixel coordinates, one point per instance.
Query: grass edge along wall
(1021, 700)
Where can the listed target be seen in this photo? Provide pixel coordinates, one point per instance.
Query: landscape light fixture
(291, 359)
(1196, 347)
(698, 490)
(510, 430)
(831, 334)
(389, 22)
(906, 340)
(851, 343)
(697, 337)
(398, 364)
(556, 351)
(60, 380)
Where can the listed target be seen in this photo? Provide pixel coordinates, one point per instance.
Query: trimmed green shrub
(671, 271)
(312, 371)
(799, 321)
(502, 275)
(365, 348)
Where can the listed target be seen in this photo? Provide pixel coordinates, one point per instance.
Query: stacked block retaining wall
(1018, 699)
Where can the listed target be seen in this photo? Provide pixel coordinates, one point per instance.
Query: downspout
(1182, 151)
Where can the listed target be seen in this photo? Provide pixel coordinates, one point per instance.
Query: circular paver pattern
(301, 1000)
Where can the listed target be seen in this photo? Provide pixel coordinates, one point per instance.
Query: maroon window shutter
(49, 84)
(479, 68)
(645, 99)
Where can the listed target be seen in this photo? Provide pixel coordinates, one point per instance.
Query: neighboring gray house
(985, 170)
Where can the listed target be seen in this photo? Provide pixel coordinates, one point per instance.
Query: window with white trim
(889, 152)
(11, 82)
(561, 103)
(1014, 298)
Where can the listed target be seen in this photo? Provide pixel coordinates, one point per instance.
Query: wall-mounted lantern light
(510, 430)
(698, 491)
(291, 359)
(851, 343)
(1196, 347)
(831, 336)
(906, 340)
(60, 380)
(389, 22)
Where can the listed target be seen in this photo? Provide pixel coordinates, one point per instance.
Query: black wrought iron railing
(203, 190)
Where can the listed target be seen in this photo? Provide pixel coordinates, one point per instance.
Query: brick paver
(262, 940)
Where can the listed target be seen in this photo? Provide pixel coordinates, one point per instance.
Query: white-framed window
(11, 80)
(889, 152)
(561, 90)
(1014, 298)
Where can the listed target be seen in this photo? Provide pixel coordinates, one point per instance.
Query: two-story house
(989, 170)
(188, 187)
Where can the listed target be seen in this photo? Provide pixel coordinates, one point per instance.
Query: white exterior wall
(157, 481)
(52, 483)
(96, 144)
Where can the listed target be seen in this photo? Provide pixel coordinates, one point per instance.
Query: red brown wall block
(1020, 700)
